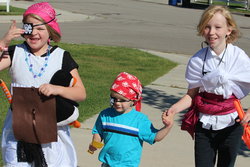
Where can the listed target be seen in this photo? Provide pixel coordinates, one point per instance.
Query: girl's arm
(75, 93)
(12, 33)
(168, 116)
(4, 60)
(185, 102)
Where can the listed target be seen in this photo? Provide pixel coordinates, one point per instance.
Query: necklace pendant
(30, 65)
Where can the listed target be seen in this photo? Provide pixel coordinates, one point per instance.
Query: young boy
(122, 128)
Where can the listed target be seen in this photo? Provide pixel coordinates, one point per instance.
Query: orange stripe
(6, 90)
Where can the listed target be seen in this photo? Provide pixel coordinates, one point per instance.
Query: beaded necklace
(30, 65)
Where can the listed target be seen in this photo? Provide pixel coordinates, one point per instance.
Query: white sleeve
(194, 70)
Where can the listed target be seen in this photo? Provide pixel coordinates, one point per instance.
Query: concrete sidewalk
(64, 17)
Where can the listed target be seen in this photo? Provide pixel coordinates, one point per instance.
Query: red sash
(206, 103)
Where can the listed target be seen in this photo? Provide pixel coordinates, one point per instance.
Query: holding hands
(168, 118)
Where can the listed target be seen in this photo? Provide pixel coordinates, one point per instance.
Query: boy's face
(120, 103)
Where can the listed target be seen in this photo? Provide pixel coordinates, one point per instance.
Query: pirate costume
(124, 134)
(211, 120)
(28, 72)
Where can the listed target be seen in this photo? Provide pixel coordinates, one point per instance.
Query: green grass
(13, 11)
(233, 6)
(98, 67)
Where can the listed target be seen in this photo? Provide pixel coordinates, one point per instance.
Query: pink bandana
(46, 12)
(128, 86)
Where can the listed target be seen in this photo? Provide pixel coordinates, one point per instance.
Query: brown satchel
(34, 116)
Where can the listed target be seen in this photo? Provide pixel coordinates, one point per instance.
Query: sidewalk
(67, 16)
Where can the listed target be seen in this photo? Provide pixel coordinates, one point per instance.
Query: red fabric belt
(206, 103)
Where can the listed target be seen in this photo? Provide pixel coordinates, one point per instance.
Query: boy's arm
(96, 137)
(95, 144)
(168, 121)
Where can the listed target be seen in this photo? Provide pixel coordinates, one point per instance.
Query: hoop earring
(202, 44)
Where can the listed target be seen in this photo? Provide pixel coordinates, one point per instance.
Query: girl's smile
(38, 40)
(216, 32)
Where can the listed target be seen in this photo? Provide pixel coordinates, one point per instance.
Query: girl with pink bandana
(32, 64)
(122, 128)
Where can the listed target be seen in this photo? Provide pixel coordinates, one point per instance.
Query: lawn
(98, 66)
(13, 10)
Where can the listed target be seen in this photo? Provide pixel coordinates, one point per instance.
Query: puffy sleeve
(239, 73)
(194, 70)
(68, 62)
(11, 50)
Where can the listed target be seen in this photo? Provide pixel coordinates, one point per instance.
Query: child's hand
(49, 89)
(246, 118)
(167, 118)
(168, 121)
(94, 146)
(12, 33)
(92, 149)
(1, 48)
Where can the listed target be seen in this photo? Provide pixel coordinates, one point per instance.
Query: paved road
(146, 24)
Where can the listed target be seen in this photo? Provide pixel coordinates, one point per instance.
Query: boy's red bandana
(128, 86)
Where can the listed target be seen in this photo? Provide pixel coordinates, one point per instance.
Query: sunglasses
(114, 100)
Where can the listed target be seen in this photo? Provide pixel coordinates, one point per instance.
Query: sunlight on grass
(13, 11)
(99, 65)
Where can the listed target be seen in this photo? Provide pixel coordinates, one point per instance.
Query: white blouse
(231, 76)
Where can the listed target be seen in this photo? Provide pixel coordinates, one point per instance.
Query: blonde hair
(210, 12)
(54, 35)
